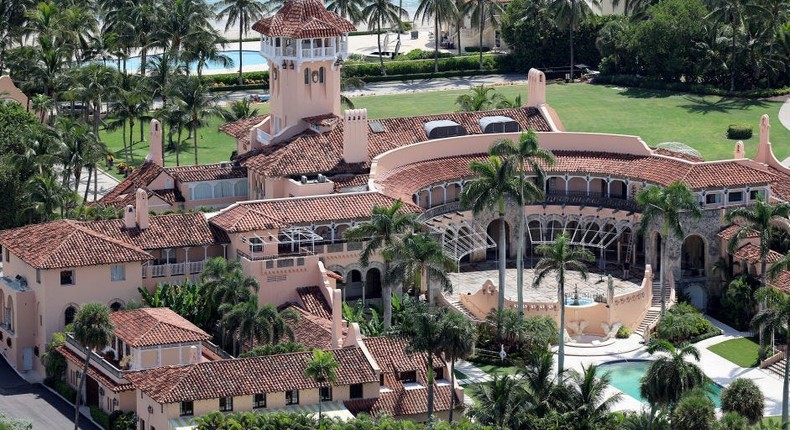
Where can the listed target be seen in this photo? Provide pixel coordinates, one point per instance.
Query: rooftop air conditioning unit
(304, 179)
(223, 164)
(321, 178)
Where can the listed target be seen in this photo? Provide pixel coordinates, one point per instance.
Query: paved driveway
(19, 399)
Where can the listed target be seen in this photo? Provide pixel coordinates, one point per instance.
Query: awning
(328, 410)
(182, 423)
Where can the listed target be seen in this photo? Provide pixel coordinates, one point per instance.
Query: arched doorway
(69, 314)
(692, 257)
(354, 285)
(493, 232)
(657, 252)
(373, 284)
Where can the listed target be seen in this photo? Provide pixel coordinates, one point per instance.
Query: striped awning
(182, 423)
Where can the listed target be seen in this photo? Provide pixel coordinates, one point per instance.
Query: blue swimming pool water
(626, 376)
(251, 58)
(582, 302)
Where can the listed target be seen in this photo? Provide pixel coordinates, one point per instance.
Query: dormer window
(407, 377)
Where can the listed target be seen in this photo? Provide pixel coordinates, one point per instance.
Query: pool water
(582, 302)
(626, 377)
(251, 58)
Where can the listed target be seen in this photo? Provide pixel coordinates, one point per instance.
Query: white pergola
(460, 236)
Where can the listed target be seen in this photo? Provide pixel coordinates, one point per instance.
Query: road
(19, 399)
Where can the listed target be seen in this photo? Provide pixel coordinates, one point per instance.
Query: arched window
(321, 73)
(115, 306)
(307, 76)
(69, 314)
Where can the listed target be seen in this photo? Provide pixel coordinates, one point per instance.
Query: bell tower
(304, 45)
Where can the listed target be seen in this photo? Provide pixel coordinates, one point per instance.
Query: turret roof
(304, 19)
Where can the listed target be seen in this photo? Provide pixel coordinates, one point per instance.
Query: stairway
(455, 303)
(654, 313)
(778, 368)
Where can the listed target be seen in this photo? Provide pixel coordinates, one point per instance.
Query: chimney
(764, 151)
(740, 151)
(536, 88)
(129, 218)
(337, 317)
(355, 136)
(155, 144)
(142, 217)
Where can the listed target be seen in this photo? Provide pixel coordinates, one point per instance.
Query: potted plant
(122, 167)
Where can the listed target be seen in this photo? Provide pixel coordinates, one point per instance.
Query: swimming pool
(251, 58)
(626, 377)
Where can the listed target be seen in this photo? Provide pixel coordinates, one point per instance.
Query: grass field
(656, 116)
(743, 351)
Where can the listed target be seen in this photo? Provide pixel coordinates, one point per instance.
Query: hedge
(686, 87)
(491, 64)
(63, 388)
(476, 49)
(739, 131)
(100, 417)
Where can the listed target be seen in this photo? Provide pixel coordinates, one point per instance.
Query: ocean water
(409, 5)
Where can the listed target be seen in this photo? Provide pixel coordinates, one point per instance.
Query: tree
(386, 225)
(568, 13)
(93, 330)
(180, 22)
(763, 219)
(225, 282)
(733, 421)
(481, 11)
(45, 195)
(559, 258)
(498, 402)
(128, 106)
(378, 13)
(671, 375)
(322, 369)
(439, 10)
(245, 12)
(348, 9)
(653, 419)
(41, 104)
(732, 13)
(743, 397)
(694, 411)
(527, 152)
(199, 102)
(240, 109)
(591, 408)
(427, 339)
(494, 183)
(417, 260)
(666, 204)
(776, 315)
(162, 70)
(458, 338)
(481, 98)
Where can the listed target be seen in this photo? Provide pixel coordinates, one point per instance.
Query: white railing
(158, 270)
(195, 267)
(177, 269)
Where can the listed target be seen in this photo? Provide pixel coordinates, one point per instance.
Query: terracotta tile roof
(155, 326)
(123, 193)
(315, 302)
(312, 153)
(67, 243)
(781, 186)
(93, 371)
(171, 196)
(402, 402)
(165, 231)
(238, 377)
(278, 213)
(241, 128)
(346, 181)
(390, 353)
(303, 19)
(404, 181)
(781, 282)
(732, 230)
(751, 253)
(313, 331)
(325, 120)
(207, 172)
(680, 155)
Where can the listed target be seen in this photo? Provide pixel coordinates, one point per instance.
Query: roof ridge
(83, 228)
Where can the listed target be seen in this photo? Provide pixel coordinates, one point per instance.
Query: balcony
(96, 359)
(278, 49)
(173, 269)
(592, 199)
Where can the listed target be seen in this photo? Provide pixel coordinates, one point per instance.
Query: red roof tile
(238, 377)
(304, 19)
(751, 253)
(402, 402)
(123, 193)
(278, 213)
(94, 372)
(781, 282)
(312, 153)
(67, 243)
(207, 172)
(313, 331)
(155, 326)
(345, 182)
(729, 232)
(315, 302)
(390, 353)
(165, 231)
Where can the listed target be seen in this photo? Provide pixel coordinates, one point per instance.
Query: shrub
(476, 49)
(100, 417)
(405, 67)
(743, 397)
(739, 131)
(695, 411)
(8, 423)
(623, 332)
(684, 323)
(120, 420)
(733, 421)
(64, 389)
(419, 54)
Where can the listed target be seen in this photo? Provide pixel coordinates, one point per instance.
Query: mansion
(302, 175)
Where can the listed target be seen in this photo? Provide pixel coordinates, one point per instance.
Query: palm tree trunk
(79, 389)
(436, 39)
(387, 300)
(785, 391)
(319, 406)
(95, 182)
(573, 21)
(430, 388)
(87, 185)
(131, 144)
(194, 139)
(241, 65)
(378, 41)
(452, 389)
(663, 270)
(732, 56)
(502, 256)
(125, 148)
(763, 266)
(481, 28)
(561, 349)
(522, 219)
(178, 146)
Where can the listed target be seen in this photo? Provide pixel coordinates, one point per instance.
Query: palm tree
(654, 419)
(385, 226)
(95, 80)
(526, 152)
(243, 12)
(378, 13)
(732, 13)
(569, 13)
(77, 137)
(776, 315)
(763, 219)
(323, 370)
(240, 109)
(252, 323)
(348, 9)
(225, 282)
(129, 105)
(417, 260)
(481, 98)
(427, 339)
(667, 204)
(41, 104)
(177, 118)
(494, 183)
(199, 102)
(204, 48)
(93, 329)
(482, 11)
(439, 10)
(162, 70)
(45, 194)
(181, 21)
(544, 391)
(670, 375)
(499, 402)
(458, 339)
(591, 407)
(559, 257)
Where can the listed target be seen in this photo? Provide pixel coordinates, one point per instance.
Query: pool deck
(716, 367)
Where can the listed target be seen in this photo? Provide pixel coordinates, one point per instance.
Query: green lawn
(743, 351)
(498, 370)
(656, 116)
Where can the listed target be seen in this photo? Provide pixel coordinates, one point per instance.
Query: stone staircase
(457, 305)
(778, 368)
(654, 313)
